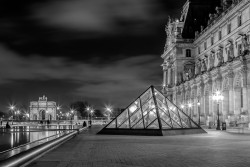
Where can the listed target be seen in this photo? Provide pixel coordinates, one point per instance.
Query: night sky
(100, 51)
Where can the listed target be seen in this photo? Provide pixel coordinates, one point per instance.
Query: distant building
(208, 50)
(42, 109)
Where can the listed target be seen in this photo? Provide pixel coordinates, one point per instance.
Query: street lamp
(12, 108)
(88, 109)
(18, 112)
(91, 112)
(218, 97)
(58, 108)
(73, 113)
(109, 109)
(199, 112)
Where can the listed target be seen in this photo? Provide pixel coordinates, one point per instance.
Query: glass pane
(146, 96)
(161, 105)
(184, 120)
(150, 117)
(121, 118)
(154, 125)
(164, 116)
(133, 107)
(193, 125)
(159, 96)
(138, 125)
(175, 117)
(148, 106)
(125, 124)
(112, 124)
(135, 117)
(175, 125)
(165, 125)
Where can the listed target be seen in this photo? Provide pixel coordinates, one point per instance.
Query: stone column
(173, 76)
(231, 94)
(245, 98)
(237, 101)
(165, 76)
(169, 76)
(225, 104)
(248, 104)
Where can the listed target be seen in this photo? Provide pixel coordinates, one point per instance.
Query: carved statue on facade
(218, 10)
(245, 42)
(203, 66)
(206, 61)
(220, 57)
(230, 52)
(180, 77)
(202, 28)
(226, 4)
(211, 60)
(197, 67)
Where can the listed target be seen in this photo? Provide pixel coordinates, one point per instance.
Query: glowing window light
(133, 108)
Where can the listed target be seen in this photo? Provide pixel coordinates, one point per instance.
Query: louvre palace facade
(208, 50)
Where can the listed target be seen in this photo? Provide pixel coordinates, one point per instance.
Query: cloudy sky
(101, 51)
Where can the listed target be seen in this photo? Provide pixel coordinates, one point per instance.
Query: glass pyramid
(150, 111)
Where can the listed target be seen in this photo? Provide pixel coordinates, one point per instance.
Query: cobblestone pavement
(215, 149)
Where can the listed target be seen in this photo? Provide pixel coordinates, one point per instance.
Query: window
(188, 53)
(179, 29)
(229, 28)
(239, 20)
(212, 40)
(239, 49)
(205, 45)
(219, 34)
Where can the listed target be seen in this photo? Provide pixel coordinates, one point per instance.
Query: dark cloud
(107, 82)
(101, 16)
(104, 51)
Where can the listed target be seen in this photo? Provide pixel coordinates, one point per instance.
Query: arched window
(188, 53)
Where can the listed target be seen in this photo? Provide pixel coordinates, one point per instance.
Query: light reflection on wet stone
(16, 136)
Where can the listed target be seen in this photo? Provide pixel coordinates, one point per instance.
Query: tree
(3, 115)
(98, 113)
(80, 107)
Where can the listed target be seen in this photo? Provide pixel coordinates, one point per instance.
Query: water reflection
(19, 135)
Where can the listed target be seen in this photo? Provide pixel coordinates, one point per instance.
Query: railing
(28, 155)
(36, 142)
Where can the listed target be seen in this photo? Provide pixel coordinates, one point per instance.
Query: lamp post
(12, 108)
(73, 113)
(91, 112)
(199, 121)
(88, 109)
(18, 112)
(217, 97)
(109, 109)
(58, 108)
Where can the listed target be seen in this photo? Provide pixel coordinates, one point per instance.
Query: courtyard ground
(214, 149)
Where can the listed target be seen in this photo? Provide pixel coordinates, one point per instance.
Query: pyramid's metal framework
(152, 114)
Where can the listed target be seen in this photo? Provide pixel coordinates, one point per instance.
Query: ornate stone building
(42, 109)
(207, 50)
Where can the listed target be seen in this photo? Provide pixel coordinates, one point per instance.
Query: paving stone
(217, 148)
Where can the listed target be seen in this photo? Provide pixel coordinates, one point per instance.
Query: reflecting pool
(19, 135)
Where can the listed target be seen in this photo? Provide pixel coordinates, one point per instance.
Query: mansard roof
(197, 15)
